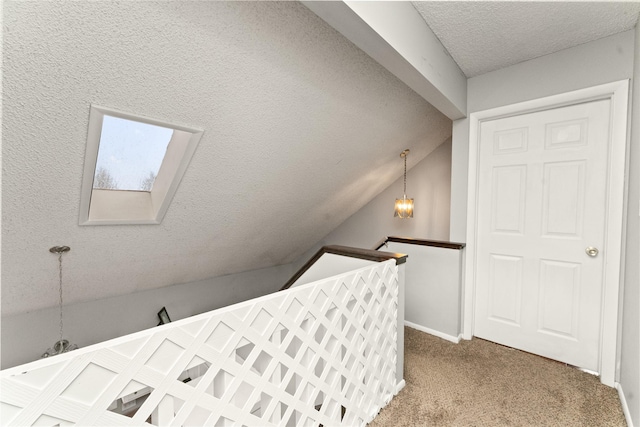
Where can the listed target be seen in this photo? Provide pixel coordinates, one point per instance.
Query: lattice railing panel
(323, 353)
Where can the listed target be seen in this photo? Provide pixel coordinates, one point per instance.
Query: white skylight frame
(113, 207)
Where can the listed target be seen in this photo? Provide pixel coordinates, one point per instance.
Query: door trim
(618, 93)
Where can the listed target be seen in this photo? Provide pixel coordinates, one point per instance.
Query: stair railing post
(400, 330)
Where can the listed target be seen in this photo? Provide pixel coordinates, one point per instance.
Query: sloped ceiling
(484, 36)
(301, 130)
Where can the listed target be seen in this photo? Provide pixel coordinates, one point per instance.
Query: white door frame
(618, 93)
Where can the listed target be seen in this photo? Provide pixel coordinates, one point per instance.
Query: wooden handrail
(371, 254)
(368, 254)
(421, 242)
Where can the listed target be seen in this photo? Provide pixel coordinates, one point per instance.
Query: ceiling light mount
(59, 249)
(404, 207)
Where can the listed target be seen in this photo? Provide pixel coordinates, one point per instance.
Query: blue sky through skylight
(130, 154)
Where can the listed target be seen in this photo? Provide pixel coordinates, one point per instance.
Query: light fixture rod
(404, 156)
(62, 345)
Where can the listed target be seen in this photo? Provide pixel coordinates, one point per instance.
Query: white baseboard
(625, 408)
(429, 331)
(400, 386)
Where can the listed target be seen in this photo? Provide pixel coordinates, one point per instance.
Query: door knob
(591, 251)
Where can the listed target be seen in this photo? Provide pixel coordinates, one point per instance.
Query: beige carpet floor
(479, 383)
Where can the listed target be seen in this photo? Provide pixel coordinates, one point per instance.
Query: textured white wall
(26, 336)
(301, 129)
(630, 347)
(428, 183)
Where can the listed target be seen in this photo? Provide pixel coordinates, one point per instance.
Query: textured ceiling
(486, 36)
(301, 130)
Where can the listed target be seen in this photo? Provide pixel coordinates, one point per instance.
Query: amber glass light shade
(403, 208)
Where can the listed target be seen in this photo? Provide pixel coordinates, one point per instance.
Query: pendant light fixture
(62, 345)
(404, 206)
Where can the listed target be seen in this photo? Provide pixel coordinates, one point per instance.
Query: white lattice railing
(319, 354)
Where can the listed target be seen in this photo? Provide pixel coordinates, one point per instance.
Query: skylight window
(133, 166)
(130, 154)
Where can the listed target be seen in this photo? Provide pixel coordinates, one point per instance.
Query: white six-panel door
(541, 205)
